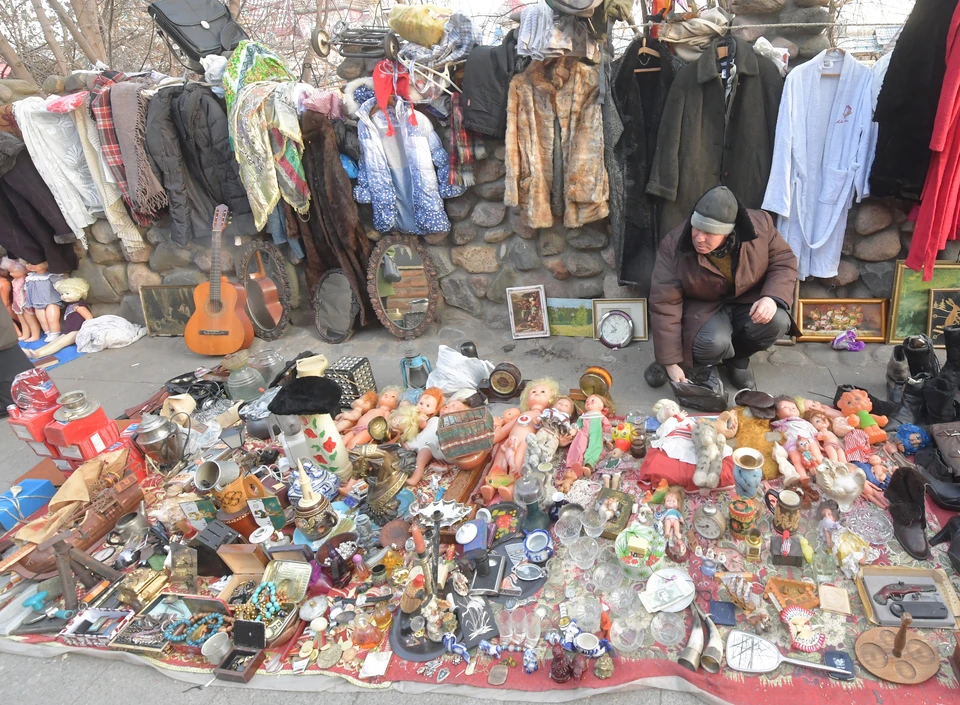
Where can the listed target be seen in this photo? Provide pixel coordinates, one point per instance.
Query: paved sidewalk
(119, 379)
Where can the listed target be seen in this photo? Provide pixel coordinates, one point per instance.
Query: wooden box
(247, 563)
(794, 557)
(249, 644)
(161, 604)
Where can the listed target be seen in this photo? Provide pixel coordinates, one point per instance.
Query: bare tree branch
(86, 12)
(62, 67)
(17, 68)
(75, 32)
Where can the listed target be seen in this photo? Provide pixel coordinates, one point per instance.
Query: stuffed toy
(709, 444)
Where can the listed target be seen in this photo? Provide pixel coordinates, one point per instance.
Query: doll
(879, 472)
(850, 550)
(74, 292)
(388, 401)
(29, 326)
(361, 405)
(673, 517)
(512, 451)
(911, 438)
(672, 456)
(429, 405)
(794, 428)
(427, 441)
(555, 432)
(857, 406)
(43, 298)
(829, 443)
(6, 296)
(588, 444)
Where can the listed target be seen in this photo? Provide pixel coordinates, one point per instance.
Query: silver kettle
(159, 438)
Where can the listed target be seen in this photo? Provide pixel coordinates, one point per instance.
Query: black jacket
(486, 80)
(907, 105)
(638, 102)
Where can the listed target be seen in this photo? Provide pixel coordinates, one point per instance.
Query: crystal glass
(607, 577)
(532, 628)
(623, 601)
(567, 529)
(268, 363)
(668, 628)
(593, 523)
(518, 625)
(583, 552)
(587, 612)
(504, 627)
(626, 634)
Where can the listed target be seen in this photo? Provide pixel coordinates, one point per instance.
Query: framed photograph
(944, 311)
(570, 317)
(167, 309)
(822, 320)
(635, 308)
(910, 311)
(527, 306)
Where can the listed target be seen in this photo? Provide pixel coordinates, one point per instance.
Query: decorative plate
(506, 517)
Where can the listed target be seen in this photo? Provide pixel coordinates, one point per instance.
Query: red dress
(939, 215)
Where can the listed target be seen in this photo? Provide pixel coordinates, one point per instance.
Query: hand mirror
(261, 269)
(753, 654)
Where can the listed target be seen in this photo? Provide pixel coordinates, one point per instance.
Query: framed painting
(570, 317)
(944, 311)
(527, 306)
(167, 309)
(635, 308)
(822, 320)
(910, 310)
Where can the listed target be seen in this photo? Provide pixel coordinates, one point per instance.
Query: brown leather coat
(687, 289)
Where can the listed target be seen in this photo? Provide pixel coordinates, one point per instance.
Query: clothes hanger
(838, 64)
(647, 55)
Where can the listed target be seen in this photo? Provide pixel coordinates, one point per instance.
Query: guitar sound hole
(214, 308)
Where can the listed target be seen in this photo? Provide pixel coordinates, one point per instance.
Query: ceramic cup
(785, 506)
(538, 545)
(216, 648)
(747, 471)
(589, 645)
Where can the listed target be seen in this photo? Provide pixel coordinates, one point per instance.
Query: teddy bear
(857, 406)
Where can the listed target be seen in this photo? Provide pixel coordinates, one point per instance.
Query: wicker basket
(465, 433)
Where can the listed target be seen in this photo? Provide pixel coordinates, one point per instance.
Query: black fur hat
(906, 495)
(307, 395)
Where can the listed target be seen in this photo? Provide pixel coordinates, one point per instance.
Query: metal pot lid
(73, 406)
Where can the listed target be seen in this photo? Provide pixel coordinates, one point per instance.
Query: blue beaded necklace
(269, 606)
(215, 620)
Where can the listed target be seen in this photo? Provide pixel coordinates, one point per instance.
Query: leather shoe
(741, 377)
(947, 533)
(907, 511)
(944, 494)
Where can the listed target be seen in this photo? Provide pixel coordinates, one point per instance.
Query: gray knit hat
(716, 211)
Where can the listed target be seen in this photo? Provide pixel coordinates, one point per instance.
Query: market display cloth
(68, 354)
(653, 665)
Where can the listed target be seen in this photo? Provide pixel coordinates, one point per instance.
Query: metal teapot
(159, 438)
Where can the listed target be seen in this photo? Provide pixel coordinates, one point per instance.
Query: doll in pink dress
(807, 455)
(588, 444)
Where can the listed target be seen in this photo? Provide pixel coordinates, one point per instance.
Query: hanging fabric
(824, 149)
(130, 118)
(939, 217)
(705, 142)
(249, 63)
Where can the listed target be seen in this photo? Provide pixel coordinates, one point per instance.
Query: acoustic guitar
(220, 325)
(264, 297)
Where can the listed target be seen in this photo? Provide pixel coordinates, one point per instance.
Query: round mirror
(403, 286)
(335, 306)
(264, 277)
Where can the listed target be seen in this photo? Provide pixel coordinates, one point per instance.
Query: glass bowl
(587, 612)
(607, 577)
(567, 529)
(623, 601)
(626, 634)
(583, 552)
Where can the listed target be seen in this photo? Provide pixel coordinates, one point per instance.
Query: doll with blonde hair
(673, 501)
(74, 292)
(511, 453)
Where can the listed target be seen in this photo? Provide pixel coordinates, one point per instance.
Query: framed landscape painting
(570, 317)
(910, 310)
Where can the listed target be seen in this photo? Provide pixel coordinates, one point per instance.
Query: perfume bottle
(382, 616)
(365, 632)
(392, 559)
(360, 571)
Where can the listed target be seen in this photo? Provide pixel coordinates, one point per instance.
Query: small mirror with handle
(750, 653)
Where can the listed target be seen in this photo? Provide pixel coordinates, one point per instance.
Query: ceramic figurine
(850, 550)
(842, 482)
(588, 444)
(579, 666)
(360, 406)
(911, 438)
(604, 666)
(621, 435)
(511, 452)
(531, 664)
(857, 406)
(454, 647)
(388, 400)
(560, 669)
(491, 650)
(829, 443)
(555, 432)
(805, 456)
(673, 516)
(709, 444)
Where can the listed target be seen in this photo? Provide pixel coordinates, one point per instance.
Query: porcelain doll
(857, 406)
(829, 443)
(788, 422)
(387, 402)
(511, 453)
(587, 446)
(850, 550)
(673, 516)
(361, 405)
(555, 432)
(43, 299)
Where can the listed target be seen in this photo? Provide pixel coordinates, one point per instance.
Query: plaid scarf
(109, 144)
(465, 147)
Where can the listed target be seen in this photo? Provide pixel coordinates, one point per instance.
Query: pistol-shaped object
(897, 591)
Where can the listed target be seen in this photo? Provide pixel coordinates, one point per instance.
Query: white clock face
(616, 329)
(707, 527)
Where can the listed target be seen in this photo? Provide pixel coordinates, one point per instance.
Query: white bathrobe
(823, 153)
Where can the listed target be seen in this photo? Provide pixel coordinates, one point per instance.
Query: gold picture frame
(635, 308)
(167, 309)
(944, 311)
(910, 306)
(822, 320)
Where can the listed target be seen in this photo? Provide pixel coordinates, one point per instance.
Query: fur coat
(564, 93)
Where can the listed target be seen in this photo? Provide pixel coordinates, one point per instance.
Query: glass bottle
(244, 382)
(268, 363)
(392, 559)
(382, 616)
(360, 571)
(365, 633)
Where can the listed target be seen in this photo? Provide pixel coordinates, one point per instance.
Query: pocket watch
(615, 329)
(709, 522)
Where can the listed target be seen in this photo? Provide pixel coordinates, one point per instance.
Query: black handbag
(198, 28)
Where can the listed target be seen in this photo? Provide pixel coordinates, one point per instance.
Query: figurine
(911, 438)
(842, 482)
(555, 432)
(727, 423)
(560, 670)
(579, 666)
(709, 444)
(512, 451)
(673, 517)
(857, 406)
(360, 406)
(388, 401)
(530, 662)
(805, 457)
(829, 443)
(429, 405)
(850, 550)
(604, 666)
(672, 456)
(588, 444)
(622, 434)
(806, 549)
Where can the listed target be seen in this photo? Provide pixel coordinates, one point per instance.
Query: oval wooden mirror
(260, 268)
(403, 286)
(335, 306)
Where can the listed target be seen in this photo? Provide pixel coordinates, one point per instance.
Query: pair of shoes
(740, 374)
(908, 511)
(950, 532)
(921, 357)
(942, 484)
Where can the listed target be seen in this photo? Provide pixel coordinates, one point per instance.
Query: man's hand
(763, 310)
(675, 373)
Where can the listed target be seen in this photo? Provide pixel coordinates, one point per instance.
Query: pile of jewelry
(197, 629)
(265, 605)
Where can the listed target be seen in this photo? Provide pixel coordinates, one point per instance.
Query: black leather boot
(939, 395)
(921, 357)
(951, 338)
(942, 484)
(912, 410)
(898, 372)
(739, 373)
(947, 533)
(908, 512)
